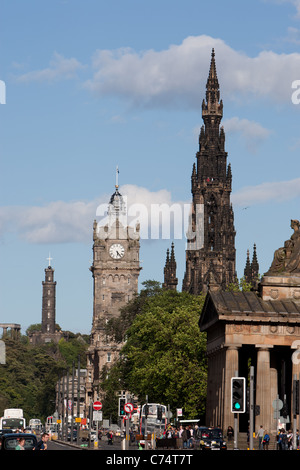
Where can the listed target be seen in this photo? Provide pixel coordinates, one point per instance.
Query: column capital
(232, 346)
(264, 347)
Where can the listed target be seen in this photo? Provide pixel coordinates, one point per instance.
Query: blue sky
(93, 84)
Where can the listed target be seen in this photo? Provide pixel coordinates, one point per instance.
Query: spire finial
(49, 260)
(117, 177)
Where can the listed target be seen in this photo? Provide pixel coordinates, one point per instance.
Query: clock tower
(115, 272)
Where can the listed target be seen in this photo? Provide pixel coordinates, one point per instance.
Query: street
(102, 445)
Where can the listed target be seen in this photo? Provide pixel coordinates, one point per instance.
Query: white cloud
(277, 191)
(295, 3)
(252, 132)
(72, 222)
(174, 75)
(60, 68)
(293, 35)
(66, 222)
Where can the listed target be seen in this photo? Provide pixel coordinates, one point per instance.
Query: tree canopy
(164, 353)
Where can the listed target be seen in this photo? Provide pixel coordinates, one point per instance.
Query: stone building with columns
(261, 329)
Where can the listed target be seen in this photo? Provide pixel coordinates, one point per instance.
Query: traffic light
(159, 413)
(284, 411)
(122, 402)
(146, 410)
(238, 394)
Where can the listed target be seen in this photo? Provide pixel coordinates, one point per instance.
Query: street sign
(97, 415)
(277, 404)
(97, 405)
(128, 407)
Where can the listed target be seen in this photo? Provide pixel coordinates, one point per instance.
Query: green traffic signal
(238, 395)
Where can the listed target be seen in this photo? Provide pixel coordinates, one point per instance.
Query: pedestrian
(42, 444)
(290, 440)
(282, 440)
(191, 438)
(266, 441)
(197, 436)
(185, 437)
(21, 445)
(230, 433)
(260, 435)
(109, 438)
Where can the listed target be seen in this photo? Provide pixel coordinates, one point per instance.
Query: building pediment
(246, 307)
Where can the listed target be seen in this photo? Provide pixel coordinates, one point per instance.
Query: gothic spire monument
(251, 271)
(210, 252)
(170, 279)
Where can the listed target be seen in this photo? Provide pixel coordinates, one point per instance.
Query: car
(74, 435)
(212, 439)
(5, 431)
(11, 440)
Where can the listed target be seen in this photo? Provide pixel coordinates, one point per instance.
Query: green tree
(239, 285)
(164, 355)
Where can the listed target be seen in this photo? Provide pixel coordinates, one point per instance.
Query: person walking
(109, 438)
(260, 434)
(185, 437)
(266, 441)
(230, 433)
(191, 438)
(42, 444)
(282, 440)
(290, 440)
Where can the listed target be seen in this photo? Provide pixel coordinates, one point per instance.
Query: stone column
(264, 388)
(295, 357)
(231, 366)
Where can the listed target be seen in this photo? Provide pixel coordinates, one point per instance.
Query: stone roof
(246, 306)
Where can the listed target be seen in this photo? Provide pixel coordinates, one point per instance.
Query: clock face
(117, 251)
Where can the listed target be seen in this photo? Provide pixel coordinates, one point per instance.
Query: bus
(156, 418)
(35, 426)
(51, 425)
(12, 419)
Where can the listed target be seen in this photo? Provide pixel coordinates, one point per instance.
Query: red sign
(128, 407)
(97, 405)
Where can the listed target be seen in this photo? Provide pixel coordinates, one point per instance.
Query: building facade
(115, 270)
(257, 328)
(210, 253)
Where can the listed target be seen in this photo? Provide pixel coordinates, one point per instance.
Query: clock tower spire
(115, 270)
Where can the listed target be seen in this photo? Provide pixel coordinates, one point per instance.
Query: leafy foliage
(164, 354)
(29, 376)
